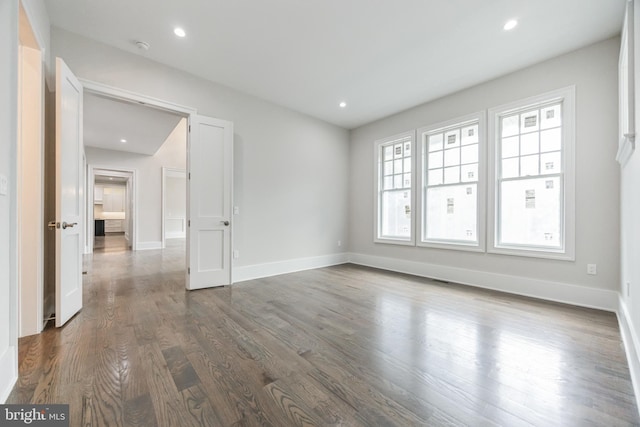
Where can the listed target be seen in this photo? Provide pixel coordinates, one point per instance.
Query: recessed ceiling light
(110, 178)
(510, 25)
(343, 104)
(179, 32)
(124, 141)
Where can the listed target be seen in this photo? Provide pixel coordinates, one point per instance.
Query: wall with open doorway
(109, 207)
(290, 170)
(171, 154)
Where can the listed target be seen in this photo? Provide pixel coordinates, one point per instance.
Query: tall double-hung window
(394, 189)
(452, 190)
(532, 168)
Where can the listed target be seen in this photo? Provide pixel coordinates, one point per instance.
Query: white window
(394, 193)
(452, 184)
(532, 167)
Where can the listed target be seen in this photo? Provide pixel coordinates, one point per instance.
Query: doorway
(110, 210)
(128, 145)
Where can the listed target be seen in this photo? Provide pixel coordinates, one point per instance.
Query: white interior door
(209, 196)
(69, 190)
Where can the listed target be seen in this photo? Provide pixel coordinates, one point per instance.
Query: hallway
(112, 242)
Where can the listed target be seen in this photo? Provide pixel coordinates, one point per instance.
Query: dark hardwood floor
(344, 345)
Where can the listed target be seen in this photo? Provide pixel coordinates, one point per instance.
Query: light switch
(236, 210)
(4, 185)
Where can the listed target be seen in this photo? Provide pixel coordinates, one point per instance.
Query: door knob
(66, 225)
(226, 223)
(53, 225)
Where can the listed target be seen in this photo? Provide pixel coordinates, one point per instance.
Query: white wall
(291, 170)
(8, 223)
(175, 205)
(593, 70)
(172, 154)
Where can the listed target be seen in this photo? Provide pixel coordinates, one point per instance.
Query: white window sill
(532, 253)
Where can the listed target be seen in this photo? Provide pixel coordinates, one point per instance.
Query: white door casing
(209, 202)
(69, 191)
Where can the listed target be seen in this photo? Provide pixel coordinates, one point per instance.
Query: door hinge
(188, 223)
(188, 270)
(189, 128)
(189, 175)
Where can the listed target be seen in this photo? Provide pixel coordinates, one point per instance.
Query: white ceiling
(381, 57)
(107, 121)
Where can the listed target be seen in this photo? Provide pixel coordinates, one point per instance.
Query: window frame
(421, 192)
(378, 191)
(567, 176)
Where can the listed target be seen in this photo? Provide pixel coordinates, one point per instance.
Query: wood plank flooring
(339, 346)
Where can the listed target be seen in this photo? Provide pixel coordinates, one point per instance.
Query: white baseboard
(631, 342)
(8, 373)
(147, 246)
(257, 271)
(543, 289)
(176, 235)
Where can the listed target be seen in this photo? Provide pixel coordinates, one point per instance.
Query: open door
(209, 199)
(69, 191)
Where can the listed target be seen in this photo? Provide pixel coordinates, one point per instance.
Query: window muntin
(450, 199)
(530, 177)
(395, 198)
(532, 205)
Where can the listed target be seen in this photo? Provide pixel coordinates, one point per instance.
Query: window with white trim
(532, 154)
(451, 197)
(394, 165)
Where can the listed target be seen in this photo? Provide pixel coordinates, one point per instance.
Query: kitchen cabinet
(113, 199)
(98, 192)
(113, 225)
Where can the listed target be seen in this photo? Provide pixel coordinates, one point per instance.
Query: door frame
(189, 112)
(30, 251)
(130, 174)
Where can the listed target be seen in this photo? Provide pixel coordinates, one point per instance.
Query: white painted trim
(567, 253)
(631, 342)
(258, 271)
(481, 183)
(148, 246)
(626, 87)
(8, 373)
(626, 147)
(126, 95)
(377, 167)
(176, 235)
(536, 288)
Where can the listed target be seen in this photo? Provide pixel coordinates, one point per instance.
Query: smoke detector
(142, 45)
